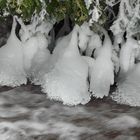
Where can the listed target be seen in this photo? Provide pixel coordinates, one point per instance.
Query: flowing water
(26, 114)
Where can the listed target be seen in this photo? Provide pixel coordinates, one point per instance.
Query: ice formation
(102, 74)
(59, 49)
(35, 41)
(128, 90)
(84, 36)
(67, 82)
(39, 59)
(128, 54)
(94, 42)
(128, 81)
(11, 61)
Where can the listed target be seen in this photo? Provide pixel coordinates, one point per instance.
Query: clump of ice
(128, 80)
(35, 40)
(128, 88)
(11, 61)
(128, 54)
(39, 58)
(94, 43)
(67, 82)
(102, 74)
(84, 36)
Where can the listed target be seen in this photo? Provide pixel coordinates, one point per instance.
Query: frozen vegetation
(85, 63)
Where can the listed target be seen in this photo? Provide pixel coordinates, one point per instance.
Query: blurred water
(26, 114)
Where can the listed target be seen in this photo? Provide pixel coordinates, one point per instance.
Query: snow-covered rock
(67, 81)
(11, 61)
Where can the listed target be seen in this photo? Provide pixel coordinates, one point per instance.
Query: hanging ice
(102, 74)
(67, 82)
(128, 53)
(128, 82)
(35, 50)
(11, 61)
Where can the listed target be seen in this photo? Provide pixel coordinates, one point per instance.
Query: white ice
(84, 35)
(128, 91)
(102, 74)
(128, 81)
(94, 42)
(39, 59)
(128, 54)
(67, 82)
(11, 61)
(35, 41)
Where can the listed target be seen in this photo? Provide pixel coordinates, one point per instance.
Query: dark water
(26, 114)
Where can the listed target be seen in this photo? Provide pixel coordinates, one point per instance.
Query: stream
(26, 114)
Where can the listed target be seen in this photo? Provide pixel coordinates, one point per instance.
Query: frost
(96, 13)
(128, 18)
(88, 3)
